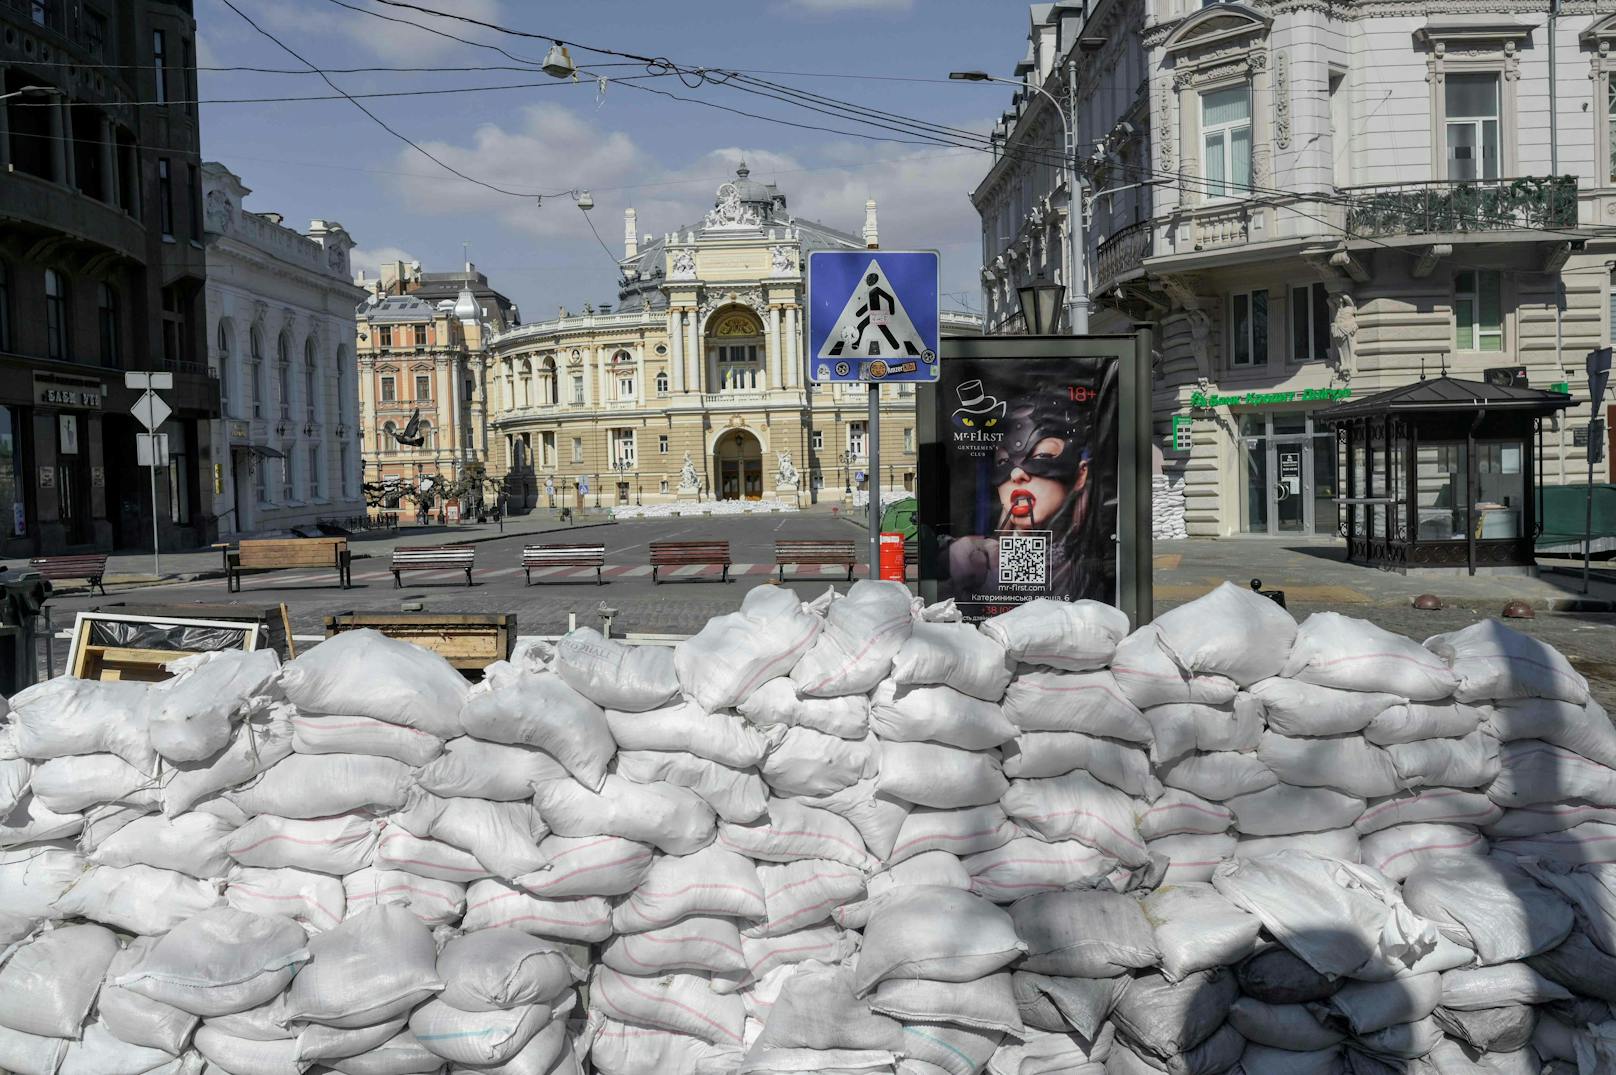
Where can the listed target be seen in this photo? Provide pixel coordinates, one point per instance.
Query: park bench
(272, 554)
(534, 556)
(799, 552)
(89, 566)
(687, 553)
(432, 558)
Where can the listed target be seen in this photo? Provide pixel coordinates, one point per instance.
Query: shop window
(1248, 329)
(1226, 141)
(1478, 311)
(1310, 323)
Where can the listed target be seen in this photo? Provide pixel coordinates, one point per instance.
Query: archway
(738, 465)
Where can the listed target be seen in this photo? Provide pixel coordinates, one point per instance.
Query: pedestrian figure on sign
(878, 307)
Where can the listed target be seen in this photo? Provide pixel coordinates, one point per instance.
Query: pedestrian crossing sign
(872, 315)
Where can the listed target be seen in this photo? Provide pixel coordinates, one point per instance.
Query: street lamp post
(1077, 293)
(847, 473)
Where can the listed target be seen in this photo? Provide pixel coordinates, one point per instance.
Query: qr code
(1024, 558)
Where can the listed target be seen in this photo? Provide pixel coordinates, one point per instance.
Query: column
(676, 349)
(698, 359)
(608, 390)
(59, 145)
(793, 348)
(641, 389)
(774, 348)
(446, 428)
(109, 163)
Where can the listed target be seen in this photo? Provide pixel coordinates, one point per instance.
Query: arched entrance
(738, 464)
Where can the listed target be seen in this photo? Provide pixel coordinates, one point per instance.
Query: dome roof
(466, 307)
(751, 191)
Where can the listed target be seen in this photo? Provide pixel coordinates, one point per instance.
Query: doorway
(739, 460)
(1288, 472)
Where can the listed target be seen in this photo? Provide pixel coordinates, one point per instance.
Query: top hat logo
(977, 409)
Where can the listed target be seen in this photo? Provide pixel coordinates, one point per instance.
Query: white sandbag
(313, 900)
(1331, 843)
(101, 822)
(1469, 762)
(502, 836)
(673, 819)
(817, 1009)
(1195, 928)
(50, 982)
(344, 984)
(136, 899)
(701, 943)
(1078, 807)
(399, 849)
(399, 1055)
(964, 832)
(140, 1020)
(1285, 809)
(1345, 762)
(316, 1042)
(1191, 857)
(939, 714)
(587, 866)
(482, 1038)
(1586, 844)
(491, 904)
(32, 879)
(1489, 904)
(1025, 866)
(267, 1022)
(776, 702)
(1532, 771)
(1412, 721)
(792, 831)
(72, 785)
(863, 631)
(1180, 728)
(1542, 818)
(503, 968)
(827, 943)
(31, 822)
(1084, 934)
(1444, 956)
(246, 1056)
(538, 709)
(1292, 1028)
(621, 1049)
(804, 893)
(732, 655)
(1585, 729)
(30, 1054)
(192, 844)
(712, 881)
(1040, 699)
(1041, 1053)
(734, 794)
(470, 768)
(878, 818)
(363, 735)
(100, 1052)
(321, 785)
(805, 762)
(1179, 811)
(15, 773)
(1166, 1019)
(1399, 850)
(941, 934)
(1295, 707)
(402, 684)
(1045, 754)
(1339, 651)
(1457, 806)
(1076, 636)
(258, 743)
(948, 1049)
(1471, 989)
(220, 962)
(190, 717)
(1148, 675)
(955, 655)
(334, 845)
(1232, 631)
(434, 901)
(1492, 661)
(932, 868)
(682, 1003)
(1366, 1007)
(1218, 775)
(988, 1003)
(931, 774)
(66, 717)
(616, 676)
(686, 725)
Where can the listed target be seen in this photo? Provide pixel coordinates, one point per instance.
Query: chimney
(872, 238)
(631, 244)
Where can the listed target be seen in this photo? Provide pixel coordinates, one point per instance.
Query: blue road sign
(872, 315)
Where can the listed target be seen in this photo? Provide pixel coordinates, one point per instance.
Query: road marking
(638, 572)
(497, 571)
(688, 570)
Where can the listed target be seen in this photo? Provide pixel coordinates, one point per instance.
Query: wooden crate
(468, 640)
(274, 625)
(91, 655)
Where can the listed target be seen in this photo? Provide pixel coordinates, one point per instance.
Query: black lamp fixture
(1041, 305)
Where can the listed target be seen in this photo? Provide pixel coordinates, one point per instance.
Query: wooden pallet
(470, 641)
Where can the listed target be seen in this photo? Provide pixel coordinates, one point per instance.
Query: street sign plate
(151, 449)
(1598, 373)
(150, 410)
(158, 381)
(873, 316)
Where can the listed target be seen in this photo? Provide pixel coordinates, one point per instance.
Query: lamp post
(1077, 296)
(847, 474)
(26, 91)
(621, 467)
(1040, 305)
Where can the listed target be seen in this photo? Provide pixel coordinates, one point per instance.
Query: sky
(627, 145)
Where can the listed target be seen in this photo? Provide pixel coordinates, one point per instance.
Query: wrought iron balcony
(1459, 206)
(1122, 255)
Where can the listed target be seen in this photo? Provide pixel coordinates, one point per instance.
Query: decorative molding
(730, 211)
(684, 265)
(1282, 101)
(783, 260)
(1165, 119)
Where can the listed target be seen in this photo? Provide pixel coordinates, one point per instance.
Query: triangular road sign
(873, 323)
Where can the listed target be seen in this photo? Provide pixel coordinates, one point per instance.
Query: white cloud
(299, 23)
(370, 260)
(841, 7)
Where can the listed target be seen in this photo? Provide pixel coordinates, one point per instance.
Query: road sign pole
(873, 479)
(1598, 364)
(151, 426)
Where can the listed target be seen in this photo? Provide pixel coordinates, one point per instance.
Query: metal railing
(1458, 206)
(1122, 253)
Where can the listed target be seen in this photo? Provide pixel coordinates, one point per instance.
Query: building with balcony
(701, 361)
(281, 323)
(1311, 203)
(101, 271)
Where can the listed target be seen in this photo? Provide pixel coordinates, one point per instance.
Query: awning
(259, 450)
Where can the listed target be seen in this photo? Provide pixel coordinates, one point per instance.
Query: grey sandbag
(934, 932)
(633, 679)
(1370, 1006)
(1166, 1019)
(1055, 1004)
(346, 985)
(1282, 1026)
(1579, 965)
(1278, 976)
(136, 1019)
(817, 1009)
(503, 968)
(1219, 1053)
(1503, 1029)
(220, 962)
(1084, 934)
(988, 1003)
(49, 983)
(1489, 904)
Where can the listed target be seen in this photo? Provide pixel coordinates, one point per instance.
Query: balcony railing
(1122, 254)
(1458, 206)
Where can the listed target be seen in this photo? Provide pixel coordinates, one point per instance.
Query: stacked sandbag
(1167, 506)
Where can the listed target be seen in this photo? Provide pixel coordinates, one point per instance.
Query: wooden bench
(686, 553)
(563, 556)
(272, 554)
(432, 558)
(89, 566)
(799, 552)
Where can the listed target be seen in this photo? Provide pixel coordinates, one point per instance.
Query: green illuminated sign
(1260, 399)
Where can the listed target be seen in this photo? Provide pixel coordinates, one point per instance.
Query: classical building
(281, 323)
(101, 271)
(1315, 202)
(693, 386)
(422, 345)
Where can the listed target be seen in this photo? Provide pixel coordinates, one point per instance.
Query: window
(623, 447)
(577, 388)
(107, 321)
(389, 390)
(5, 307)
(662, 384)
(547, 449)
(314, 472)
(260, 469)
(816, 440)
(577, 449)
(345, 477)
(176, 342)
(159, 49)
(56, 321)
(423, 386)
(1340, 129)
(1248, 329)
(287, 453)
(46, 13)
(384, 440)
(384, 336)
(1478, 311)
(283, 373)
(94, 25)
(179, 481)
(13, 520)
(1610, 123)
(427, 441)
(165, 198)
(1310, 323)
(311, 390)
(188, 73)
(227, 392)
(255, 360)
(1226, 138)
(855, 437)
(1472, 121)
(909, 439)
(738, 367)
(662, 438)
(193, 202)
(625, 386)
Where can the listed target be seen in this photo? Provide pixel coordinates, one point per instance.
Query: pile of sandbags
(1167, 508)
(850, 835)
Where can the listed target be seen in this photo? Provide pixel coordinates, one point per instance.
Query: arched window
(623, 378)
(428, 436)
(283, 373)
(548, 390)
(384, 439)
(736, 352)
(255, 370)
(662, 382)
(527, 383)
(311, 387)
(227, 376)
(345, 400)
(56, 322)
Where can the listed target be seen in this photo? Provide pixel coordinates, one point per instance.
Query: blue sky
(628, 146)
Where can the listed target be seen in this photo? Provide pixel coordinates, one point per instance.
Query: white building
(1314, 201)
(280, 338)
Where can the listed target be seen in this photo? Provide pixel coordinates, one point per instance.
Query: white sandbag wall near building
(853, 835)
